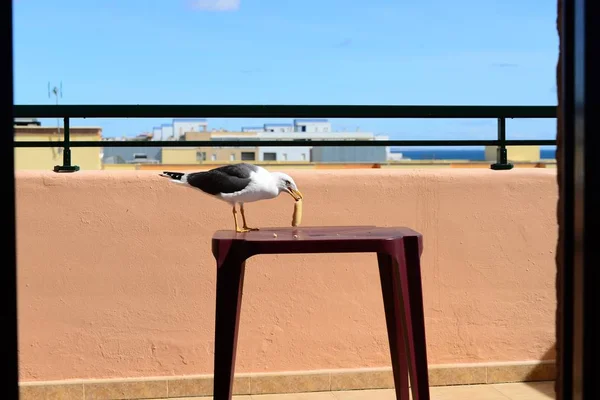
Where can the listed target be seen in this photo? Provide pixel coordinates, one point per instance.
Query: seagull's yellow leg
(237, 228)
(244, 219)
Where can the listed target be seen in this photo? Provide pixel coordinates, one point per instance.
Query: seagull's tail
(178, 177)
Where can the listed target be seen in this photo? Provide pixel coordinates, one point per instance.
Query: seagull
(238, 184)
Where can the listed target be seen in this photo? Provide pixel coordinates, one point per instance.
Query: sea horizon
(470, 154)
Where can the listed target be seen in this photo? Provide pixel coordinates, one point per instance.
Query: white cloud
(217, 5)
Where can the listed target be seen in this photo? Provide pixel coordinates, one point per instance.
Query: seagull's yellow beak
(295, 194)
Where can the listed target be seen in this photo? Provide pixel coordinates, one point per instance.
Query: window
(248, 156)
(303, 156)
(232, 157)
(270, 156)
(213, 157)
(284, 156)
(200, 156)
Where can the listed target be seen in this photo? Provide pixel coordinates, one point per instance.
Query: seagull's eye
(287, 183)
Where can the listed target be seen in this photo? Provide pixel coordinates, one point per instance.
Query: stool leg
(409, 268)
(390, 289)
(230, 282)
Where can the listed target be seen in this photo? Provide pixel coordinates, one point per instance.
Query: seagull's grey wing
(241, 170)
(217, 181)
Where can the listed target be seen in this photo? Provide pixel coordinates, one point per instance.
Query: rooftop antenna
(57, 92)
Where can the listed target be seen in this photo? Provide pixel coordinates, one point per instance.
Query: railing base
(66, 168)
(500, 167)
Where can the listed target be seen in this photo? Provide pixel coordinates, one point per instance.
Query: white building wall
(303, 153)
(157, 133)
(253, 129)
(167, 131)
(285, 153)
(318, 135)
(312, 125)
(388, 149)
(181, 126)
(278, 128)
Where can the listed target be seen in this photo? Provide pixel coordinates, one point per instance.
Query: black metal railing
(500, 113)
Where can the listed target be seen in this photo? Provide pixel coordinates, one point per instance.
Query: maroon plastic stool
(398, 255)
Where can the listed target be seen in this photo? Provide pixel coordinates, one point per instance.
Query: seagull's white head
(285, 183)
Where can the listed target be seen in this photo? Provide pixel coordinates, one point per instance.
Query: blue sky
(423, 52)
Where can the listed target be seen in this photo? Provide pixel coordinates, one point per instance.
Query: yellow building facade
(515, 153)
(45, 158)
(210, 155)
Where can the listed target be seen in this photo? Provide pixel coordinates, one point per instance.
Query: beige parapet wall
(116, 279)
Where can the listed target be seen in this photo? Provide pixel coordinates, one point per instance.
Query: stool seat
(398, 252)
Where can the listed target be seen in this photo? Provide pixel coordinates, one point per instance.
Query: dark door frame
(8, 279)
(579, 177)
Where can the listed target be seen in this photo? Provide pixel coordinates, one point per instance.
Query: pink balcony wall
(116, 278)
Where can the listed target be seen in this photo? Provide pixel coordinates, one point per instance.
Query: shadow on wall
(542, 371)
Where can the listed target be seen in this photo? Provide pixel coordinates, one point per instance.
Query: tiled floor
(506, 391)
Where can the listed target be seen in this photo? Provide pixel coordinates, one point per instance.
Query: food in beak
(297, 217)
(295, 194)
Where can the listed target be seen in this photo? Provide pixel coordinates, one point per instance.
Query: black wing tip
(172, 175)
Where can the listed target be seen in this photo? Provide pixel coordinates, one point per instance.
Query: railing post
(66, 167)
(501, 153)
